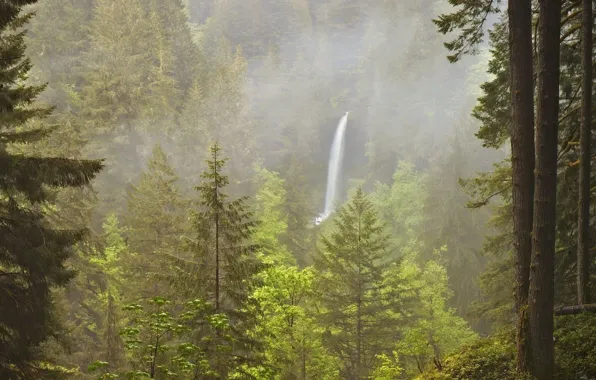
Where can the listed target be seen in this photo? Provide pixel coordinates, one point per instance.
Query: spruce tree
(351, 266)
(32, 252)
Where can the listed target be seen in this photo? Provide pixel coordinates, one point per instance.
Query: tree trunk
(576, 309)
(522, 159)
(583, 228)
(541, 296)
(216, 194)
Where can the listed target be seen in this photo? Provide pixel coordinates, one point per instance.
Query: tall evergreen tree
(542, 273)
(522, 159)
(351, 266)
(110, 295)
(223, 266)
(156, 221)
(216, 110)
(32, 252)
(448, 222)
(224, 230)
(583, 227)
(185, 58)
(127, 91)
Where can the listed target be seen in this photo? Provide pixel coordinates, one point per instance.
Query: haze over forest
(162, 164)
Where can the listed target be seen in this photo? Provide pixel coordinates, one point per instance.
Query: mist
(214, 120)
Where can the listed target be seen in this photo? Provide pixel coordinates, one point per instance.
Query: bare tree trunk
(541, 296)
(583, 228)
(522, 159)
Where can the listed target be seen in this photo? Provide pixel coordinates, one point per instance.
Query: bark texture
(541, 296)
(522, 159)
(583, 228)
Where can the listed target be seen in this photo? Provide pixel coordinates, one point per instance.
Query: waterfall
(336, 158)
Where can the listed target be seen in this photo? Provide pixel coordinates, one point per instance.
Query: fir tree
(351, 268)
(224, 229)
(186, 57)
(127, 89)
(223, 268)
(156, 221)
(32, 253)
(216, 110)
(448, 222)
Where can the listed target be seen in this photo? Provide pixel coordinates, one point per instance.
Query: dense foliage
(194, 254)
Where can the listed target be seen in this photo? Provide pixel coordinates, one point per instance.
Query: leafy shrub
(486, 359)
(493, 358)
(575, 347)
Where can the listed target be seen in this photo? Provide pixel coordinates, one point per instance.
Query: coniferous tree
(223, 266)
(185, 55)
(224, 229)
(542, 270)
(583, 227)
(351, 265)
(32, 252)
(216, 110)
(110, 296)
(126, 91)
(448, 222)
(156, 222)
(522, 160)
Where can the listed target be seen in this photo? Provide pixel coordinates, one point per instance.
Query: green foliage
(156, 222)
(575, 346)
(494, 357)
(356, 311)
(435, 331)
(223, 265)
(157, 342)
(489, 358)
(33, 252)
(273, 224)
(293, 340)
(469, 20)
(401, 204)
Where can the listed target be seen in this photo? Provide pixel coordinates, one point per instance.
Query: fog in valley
(265, 189)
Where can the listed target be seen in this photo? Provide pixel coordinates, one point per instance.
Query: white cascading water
(336, 158)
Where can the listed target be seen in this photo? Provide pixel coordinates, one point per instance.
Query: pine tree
(351, 266)
(33, 253)
(156, 221)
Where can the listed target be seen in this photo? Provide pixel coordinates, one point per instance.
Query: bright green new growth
(356, 311)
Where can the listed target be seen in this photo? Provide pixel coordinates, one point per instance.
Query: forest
(164, 166)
